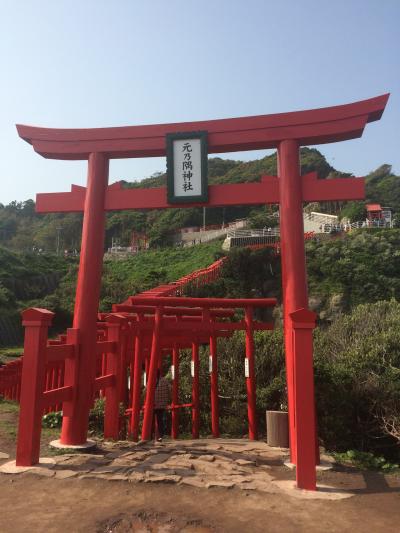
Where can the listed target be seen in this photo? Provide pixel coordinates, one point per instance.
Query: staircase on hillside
(319, 222)
(314, 223)
(198, 236)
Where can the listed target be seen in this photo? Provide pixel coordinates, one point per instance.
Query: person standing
(162, 399)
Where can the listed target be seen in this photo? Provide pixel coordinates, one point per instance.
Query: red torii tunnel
(161, 325)
(285, 131)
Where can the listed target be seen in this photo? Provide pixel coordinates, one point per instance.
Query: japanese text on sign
(187, 167)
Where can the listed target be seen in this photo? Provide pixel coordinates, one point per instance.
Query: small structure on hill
(379, 216)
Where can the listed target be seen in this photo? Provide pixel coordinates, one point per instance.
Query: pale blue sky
(91, 63)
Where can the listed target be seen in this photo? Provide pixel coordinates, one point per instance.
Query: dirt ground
(33, 503)
(36, 504)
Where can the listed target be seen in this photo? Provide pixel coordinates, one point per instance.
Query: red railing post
(175, 394)
(36, 322)
(303, 323)
(195, 390)
(152, 376)
(116, 325)
(250, 375)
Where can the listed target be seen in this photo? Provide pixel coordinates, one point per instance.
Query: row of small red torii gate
(286, 132)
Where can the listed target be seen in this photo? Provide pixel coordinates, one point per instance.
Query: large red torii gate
(285, 131)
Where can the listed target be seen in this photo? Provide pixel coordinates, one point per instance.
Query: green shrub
(96, 417)
(357, 380)
(357, 373)
(366, 461)
(52, 420)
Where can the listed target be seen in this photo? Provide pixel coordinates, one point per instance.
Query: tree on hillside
(354, 211)
(383, 187)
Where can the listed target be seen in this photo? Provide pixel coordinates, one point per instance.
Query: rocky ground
(203, 463)
(191, 486)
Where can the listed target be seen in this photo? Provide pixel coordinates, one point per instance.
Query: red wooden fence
(10, 380)
(46, 384)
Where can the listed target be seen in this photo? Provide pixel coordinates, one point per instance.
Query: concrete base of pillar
(324, 465)
(88, 445)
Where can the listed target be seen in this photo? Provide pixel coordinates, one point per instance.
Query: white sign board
(210, 364)
(192, 368)
(144, 379)
(246, 368)
(187, 167)
(173, 371)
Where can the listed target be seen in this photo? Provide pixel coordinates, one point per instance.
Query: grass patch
(366, 461)
(7, 406)
(9, 428)
(163, 266)
(8, 418)
(10, 353)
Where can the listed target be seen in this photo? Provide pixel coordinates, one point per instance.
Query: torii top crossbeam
(314, 126)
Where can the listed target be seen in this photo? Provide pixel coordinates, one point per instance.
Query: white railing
(205, 236)
(326, 224)
(265, 232)
(120, 249)
(361, 224)
(320, 218)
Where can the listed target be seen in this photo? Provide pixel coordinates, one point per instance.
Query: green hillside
(36, 280)
(21, 229)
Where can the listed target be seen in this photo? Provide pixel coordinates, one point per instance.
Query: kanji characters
(187, 167)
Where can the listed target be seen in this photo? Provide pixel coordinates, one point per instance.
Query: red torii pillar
(75, 423)
(152, 376)
(214, 386)
(136, 380)
(251, 377)
(195, 363)
(175, 394)
(294, 273)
